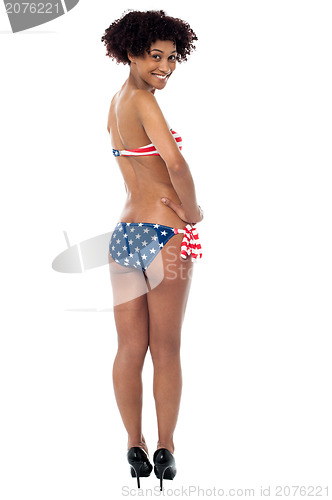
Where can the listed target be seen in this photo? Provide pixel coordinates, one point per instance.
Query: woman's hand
(180, 211)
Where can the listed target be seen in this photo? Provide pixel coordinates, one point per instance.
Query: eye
(155, 55)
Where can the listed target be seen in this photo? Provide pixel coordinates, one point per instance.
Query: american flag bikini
(136, 244)
(190, 244)
(148, 150)
(134, 252)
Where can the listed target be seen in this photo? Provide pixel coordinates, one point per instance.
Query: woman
(149, 248)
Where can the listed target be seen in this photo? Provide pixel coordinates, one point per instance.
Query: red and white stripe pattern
(190, 244)
(149, 150)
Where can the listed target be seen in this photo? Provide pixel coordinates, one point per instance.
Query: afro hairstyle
(135, 31)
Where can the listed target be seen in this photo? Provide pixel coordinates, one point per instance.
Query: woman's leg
(131, 319)
(166, 304)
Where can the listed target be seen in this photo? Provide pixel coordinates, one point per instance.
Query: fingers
(169, 203)
(178, 209)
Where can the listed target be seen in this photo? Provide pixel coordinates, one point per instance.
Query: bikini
(148, 150)
(136, 244)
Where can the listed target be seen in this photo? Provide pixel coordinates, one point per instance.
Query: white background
(253, 106)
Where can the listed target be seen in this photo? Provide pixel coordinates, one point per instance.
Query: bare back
(146, 178)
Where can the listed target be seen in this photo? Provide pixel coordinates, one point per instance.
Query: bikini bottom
(136, 244)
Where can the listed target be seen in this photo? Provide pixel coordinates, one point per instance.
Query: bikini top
(149, 150)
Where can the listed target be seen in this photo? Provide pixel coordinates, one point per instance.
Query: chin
(161, 85)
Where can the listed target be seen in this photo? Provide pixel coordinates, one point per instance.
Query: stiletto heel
(135, 470)
(164, 465)
(140, 465)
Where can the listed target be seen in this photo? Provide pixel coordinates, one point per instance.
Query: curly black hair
(135, 31)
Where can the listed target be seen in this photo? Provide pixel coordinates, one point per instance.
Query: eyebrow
(161, 51)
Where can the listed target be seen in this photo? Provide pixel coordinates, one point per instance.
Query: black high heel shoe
(164, 465)
(140, 465)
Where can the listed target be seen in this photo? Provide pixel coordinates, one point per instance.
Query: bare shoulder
(143, 97)
(146, 105)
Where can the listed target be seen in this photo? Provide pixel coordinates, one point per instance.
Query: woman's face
(155, 67)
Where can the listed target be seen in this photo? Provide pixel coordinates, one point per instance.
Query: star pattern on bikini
(140, 256)
(141, 247)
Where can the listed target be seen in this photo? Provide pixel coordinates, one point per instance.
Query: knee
(132, 354)
(164, 352)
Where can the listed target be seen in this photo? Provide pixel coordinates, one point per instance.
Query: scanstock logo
(25, 15)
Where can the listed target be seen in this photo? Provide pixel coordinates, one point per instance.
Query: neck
(135, 81)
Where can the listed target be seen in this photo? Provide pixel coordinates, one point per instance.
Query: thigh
(167, 300)
(130, 307)
(128, 283)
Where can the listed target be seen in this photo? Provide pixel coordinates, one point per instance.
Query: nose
(164, 66)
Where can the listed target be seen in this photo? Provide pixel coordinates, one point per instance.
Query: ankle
(140, 442)
(169, 445)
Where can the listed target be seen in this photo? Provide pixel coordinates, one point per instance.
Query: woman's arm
(154, 123)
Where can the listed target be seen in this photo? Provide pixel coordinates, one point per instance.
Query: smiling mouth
(161, 77)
